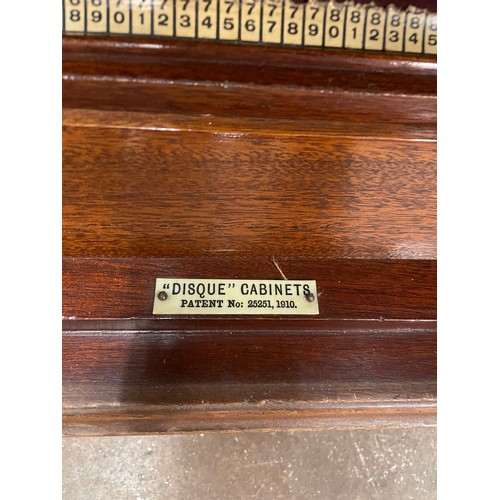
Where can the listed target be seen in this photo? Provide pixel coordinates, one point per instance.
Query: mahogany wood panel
(170, 122)
(180, 60)
(125, 371)
(206, 419)
(349, 289)
(265, 353)
(243, 100)
(211, 160)
(141, 192)
(236, 374)
(229, 80)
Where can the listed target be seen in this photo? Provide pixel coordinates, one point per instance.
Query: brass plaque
(241, 297)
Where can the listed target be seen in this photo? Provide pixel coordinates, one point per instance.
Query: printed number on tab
(97, 16)
(355, 27)
(74, 19)
(375, 25)
(250, 20)
(271, 21)
(430, 45)
(185, 18)
(229, 19)
(163, 17)
(119, 16)
(394, 30)
(207, 19)
(293, 22)
(414, 33)
(314, 24)
(334, 25)
(141, 17)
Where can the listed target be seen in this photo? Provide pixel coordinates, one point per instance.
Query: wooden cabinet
(208, 160)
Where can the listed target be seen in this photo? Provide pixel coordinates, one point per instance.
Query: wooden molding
(200, 160)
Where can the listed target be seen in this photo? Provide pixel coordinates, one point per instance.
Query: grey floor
(355, 465)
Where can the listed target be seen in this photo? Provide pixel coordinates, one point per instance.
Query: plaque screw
(309, 297)
(163, 295)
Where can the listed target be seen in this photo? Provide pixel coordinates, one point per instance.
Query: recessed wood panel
(141, 192)
(345, 376)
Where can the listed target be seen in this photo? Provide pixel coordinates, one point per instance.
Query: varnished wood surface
(262, 354)
(168, 60)
(205, 418)
(199, 160)
(301, 127)
(348, 289)
(233, 378)
(369, 359)
(140, 382)
(243, 100)
(141, 192)
(261, 82)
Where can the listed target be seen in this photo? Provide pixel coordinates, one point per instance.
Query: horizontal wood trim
(178, 76)
(243, 100)
(206, 419)
(349, 289)
(207, 61)
(176, 122)
(125, 371)
(223, 380)
(134, 360)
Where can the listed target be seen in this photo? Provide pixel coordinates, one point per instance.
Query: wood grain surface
(177, 76)
(349, 289)
(143, 192)
(263, 353)
(185, 159)
(279, 127)
(244, 100)
(369, 358)
(347, 374)
(210, 418)
(187, 60)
